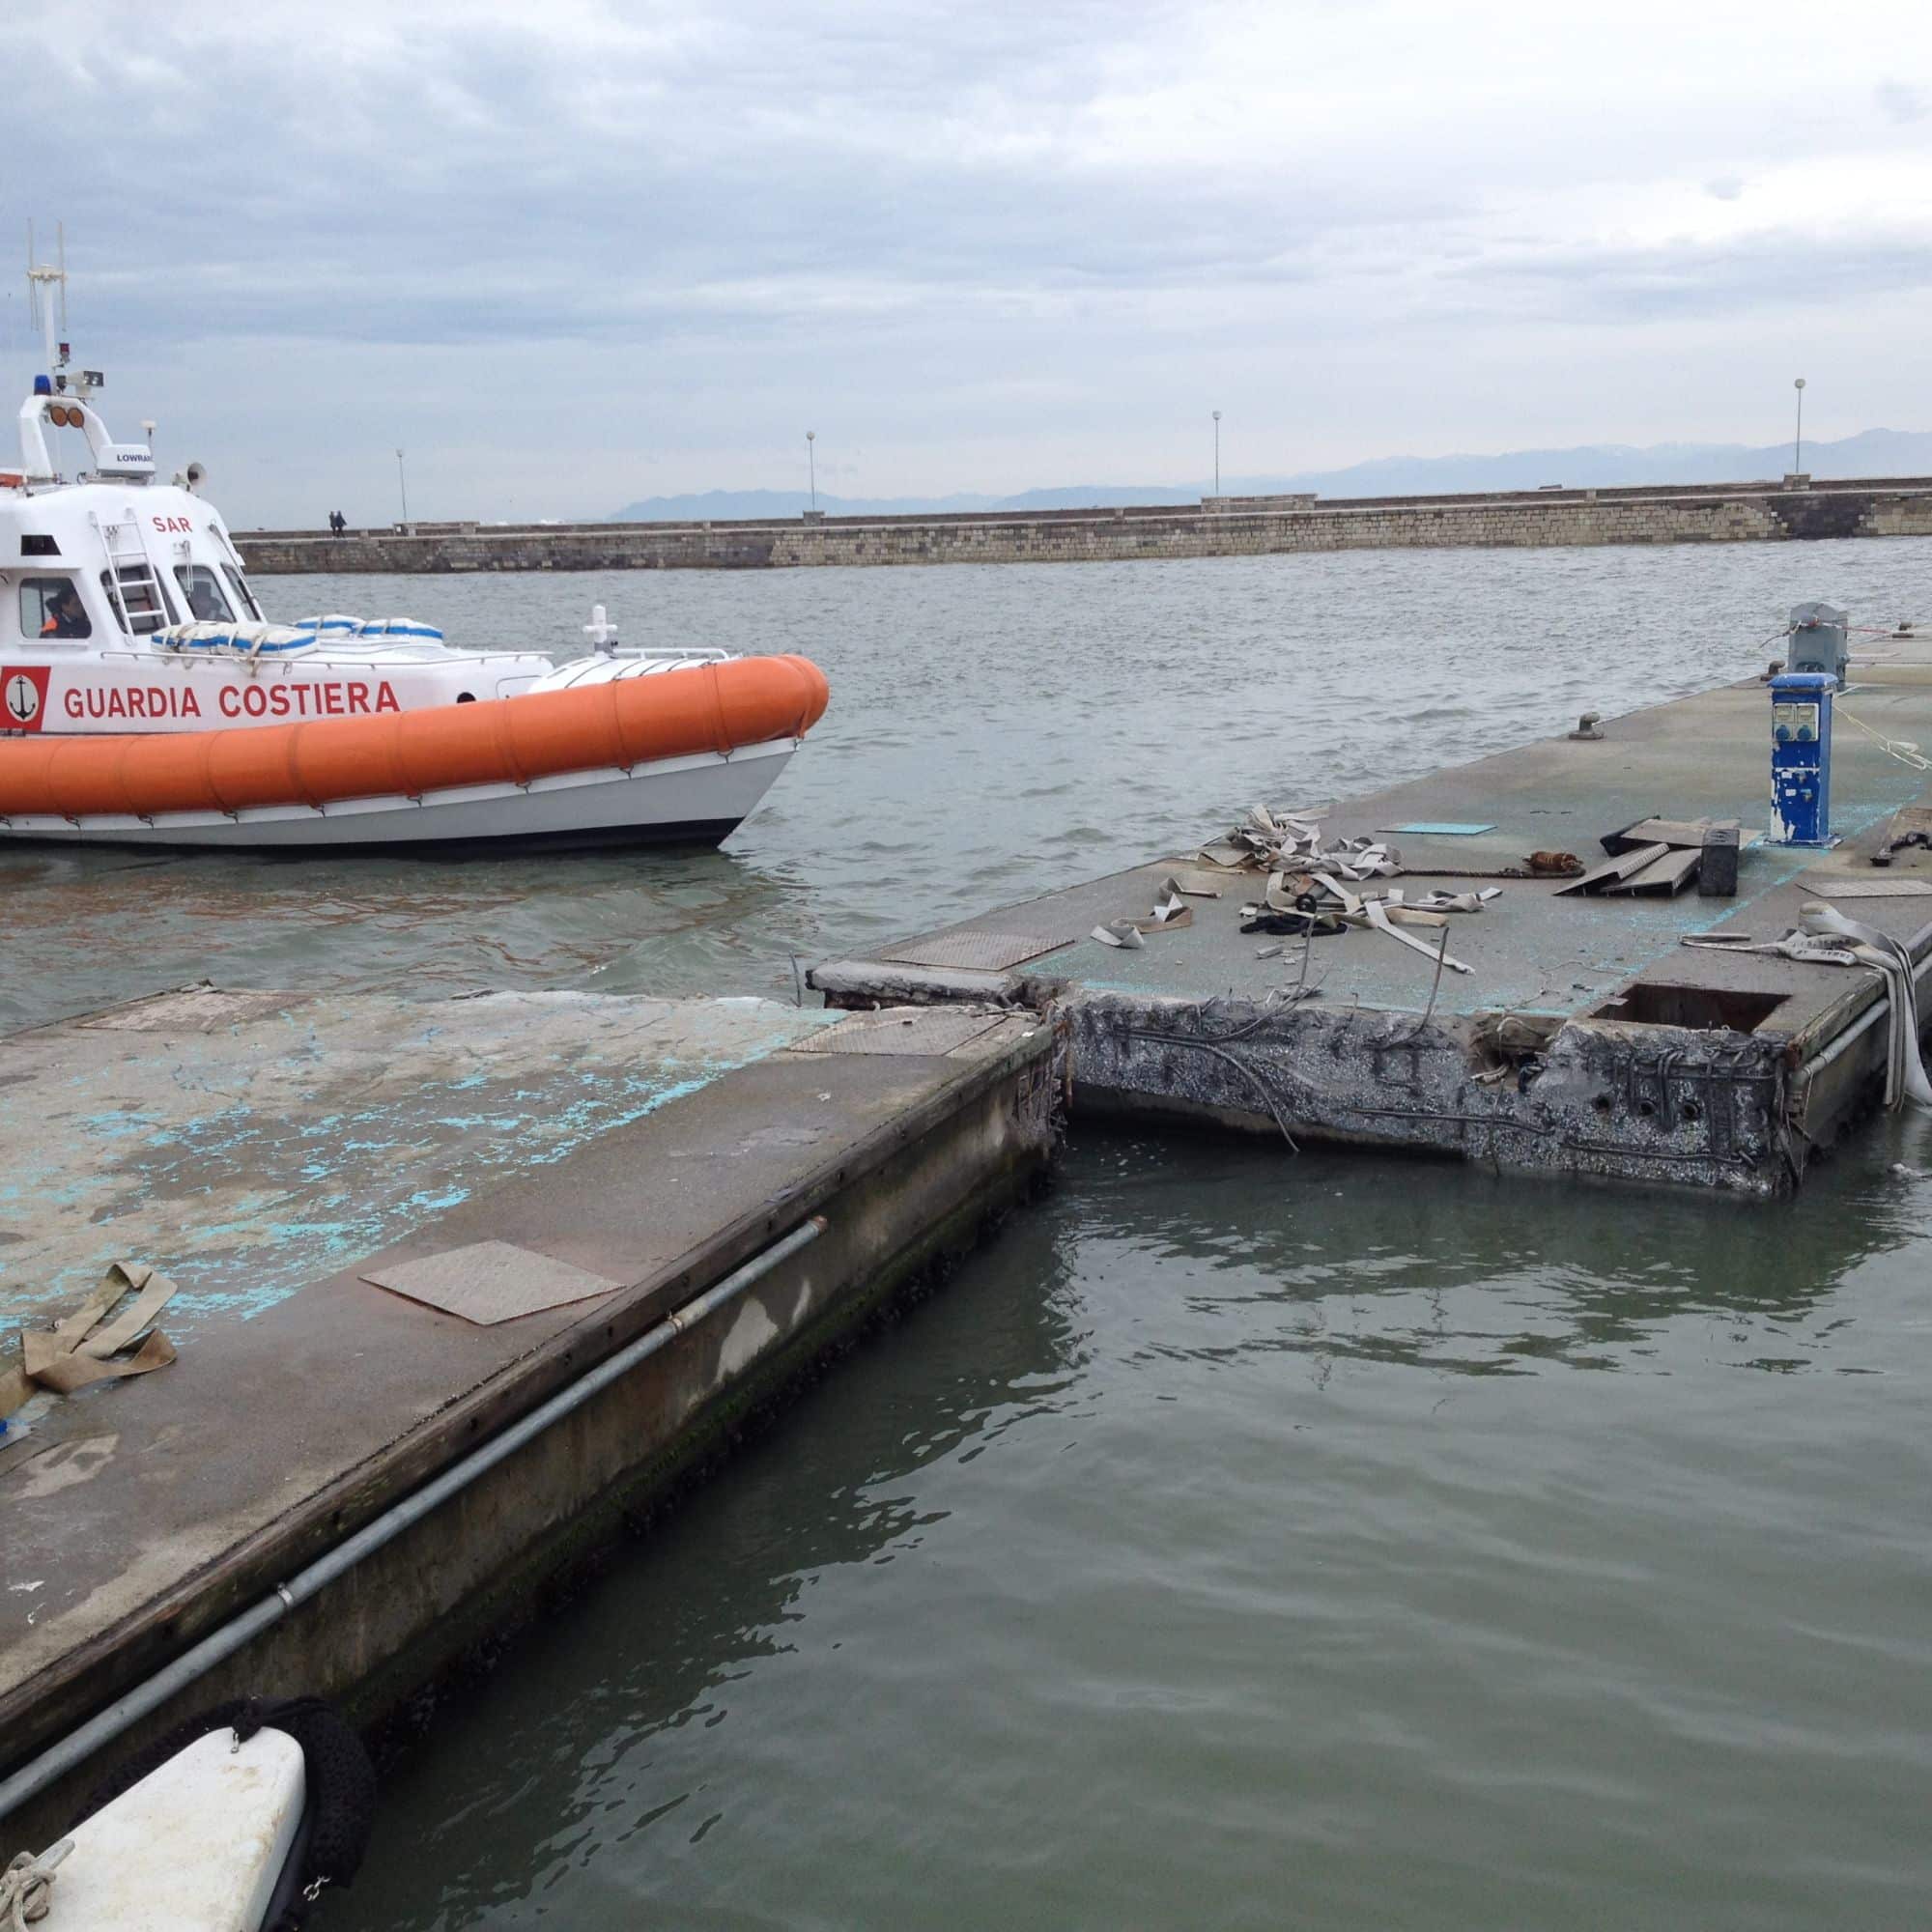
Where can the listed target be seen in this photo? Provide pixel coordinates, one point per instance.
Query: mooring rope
(1901, 748)
(26, 1887)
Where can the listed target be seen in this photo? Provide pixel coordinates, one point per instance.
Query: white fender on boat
(196, 1846)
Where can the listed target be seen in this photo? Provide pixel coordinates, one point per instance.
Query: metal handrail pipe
(105, 1726)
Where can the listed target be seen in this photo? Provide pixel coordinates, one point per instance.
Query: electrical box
(1818, 634)
(1801, 758)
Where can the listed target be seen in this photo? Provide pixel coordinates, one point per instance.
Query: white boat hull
(197, 1846)
(695, 800)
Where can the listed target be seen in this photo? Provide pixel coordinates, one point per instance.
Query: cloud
(982, 244)
(1769, 271)
(1899, 104)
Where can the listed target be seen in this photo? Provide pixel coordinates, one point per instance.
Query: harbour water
(993, 733)
(1245, 1542)
(1236, 1540)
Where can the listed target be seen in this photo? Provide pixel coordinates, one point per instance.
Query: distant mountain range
(1873, 452)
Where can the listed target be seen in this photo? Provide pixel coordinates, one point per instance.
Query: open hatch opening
(1701, 1009)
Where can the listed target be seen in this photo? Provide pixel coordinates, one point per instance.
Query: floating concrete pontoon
(1585, 1039)
(544, 1180)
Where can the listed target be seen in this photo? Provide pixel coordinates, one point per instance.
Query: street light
(1798, 439)
(812, 458)
(402, 484)
(1217, 452)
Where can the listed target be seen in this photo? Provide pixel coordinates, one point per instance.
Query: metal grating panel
(1874, 888)
(991, 951)
(491, 1281)
(188, 1010)
(921, 1029)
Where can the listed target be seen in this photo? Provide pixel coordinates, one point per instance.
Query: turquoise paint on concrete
(246, 1202)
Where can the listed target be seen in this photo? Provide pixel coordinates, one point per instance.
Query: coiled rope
(26, 1887)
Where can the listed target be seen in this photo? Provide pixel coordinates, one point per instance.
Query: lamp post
(1217, 452)
(402, 484)
(812, 460)
(1798, 437)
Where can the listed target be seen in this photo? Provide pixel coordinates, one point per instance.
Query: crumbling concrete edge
(1582, 1097)
(1679, 1106)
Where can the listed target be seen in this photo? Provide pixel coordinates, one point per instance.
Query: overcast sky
(568, 254)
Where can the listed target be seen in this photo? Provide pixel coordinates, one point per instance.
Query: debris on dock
(1563, 1028)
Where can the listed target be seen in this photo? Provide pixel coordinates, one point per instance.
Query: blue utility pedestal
(1801, 758)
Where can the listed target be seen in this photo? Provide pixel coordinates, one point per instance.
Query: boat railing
(677, 653)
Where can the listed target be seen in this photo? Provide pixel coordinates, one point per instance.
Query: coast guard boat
(146, 699)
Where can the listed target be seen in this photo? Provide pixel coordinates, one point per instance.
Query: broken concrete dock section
(402, 1233)
(1586, 1036)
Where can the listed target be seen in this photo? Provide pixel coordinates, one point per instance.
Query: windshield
(243, 596)
(202, 589)
(137, 596)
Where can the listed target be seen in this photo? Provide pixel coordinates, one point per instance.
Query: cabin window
(202, 589)
(243, 596)
(50, 607)
(138, 597)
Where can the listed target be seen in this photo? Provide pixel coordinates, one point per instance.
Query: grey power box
(1718, 869)
(1818, 634)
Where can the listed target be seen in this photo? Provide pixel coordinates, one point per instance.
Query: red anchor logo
(23, 698)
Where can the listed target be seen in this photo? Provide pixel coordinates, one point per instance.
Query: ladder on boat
(133, 585)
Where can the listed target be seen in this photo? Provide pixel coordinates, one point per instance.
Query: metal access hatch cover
(991, 950)
(189, 1010)
(913, 1029)
(489, 1282)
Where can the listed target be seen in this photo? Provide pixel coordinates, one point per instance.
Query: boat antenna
(41, 281)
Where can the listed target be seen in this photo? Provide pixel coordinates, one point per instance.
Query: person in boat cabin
(204, 600)
(63, 616)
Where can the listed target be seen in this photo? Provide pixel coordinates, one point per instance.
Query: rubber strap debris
(84, 1347)
(1905, 1071)
(1294, 842)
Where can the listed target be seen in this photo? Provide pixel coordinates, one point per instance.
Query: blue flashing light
(43, 386)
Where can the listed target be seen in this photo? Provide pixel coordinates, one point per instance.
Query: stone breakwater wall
(1221, 526)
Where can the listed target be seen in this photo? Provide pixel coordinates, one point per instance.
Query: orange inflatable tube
(710, 707)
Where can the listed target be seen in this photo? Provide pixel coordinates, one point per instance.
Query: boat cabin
(102, 563)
